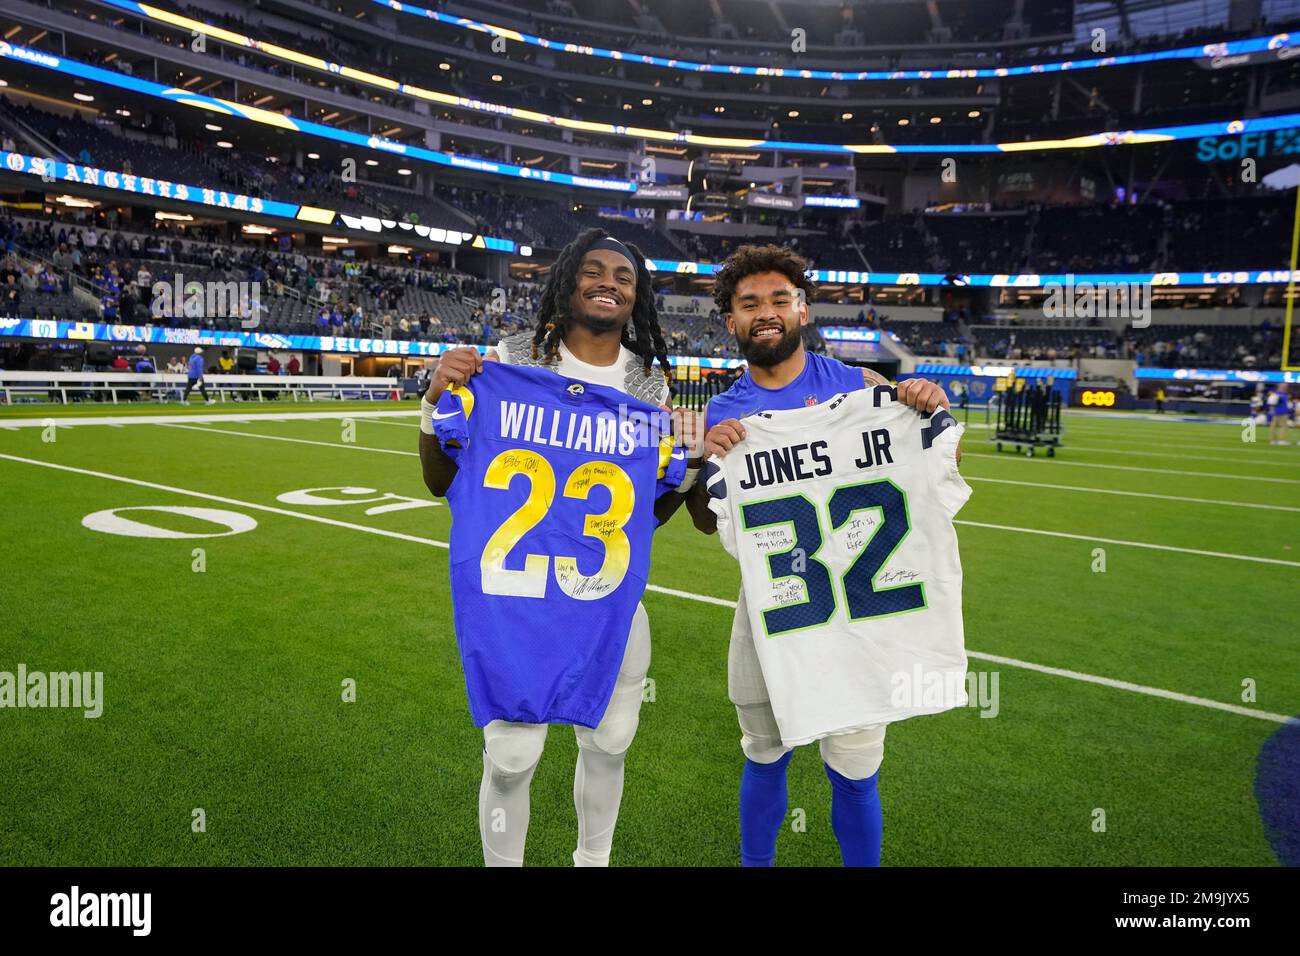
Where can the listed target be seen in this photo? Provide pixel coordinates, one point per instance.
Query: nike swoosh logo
(448, 415)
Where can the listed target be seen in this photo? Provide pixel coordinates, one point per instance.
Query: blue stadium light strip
(1118, 138)
(995, 371)
(268, 118)
(56, 172)
(998, 281)
(1240, 376)
(52, 330)
(1228, 48)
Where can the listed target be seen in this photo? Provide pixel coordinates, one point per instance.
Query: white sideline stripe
(296, 441)
(1235, 447)
(691, 596)
(672, 592)
(1055, 534)
(1135, 688)
(230, 501)
(1131, 544)
(1174, 454)
(1134, 494)
(1168, 418)
(35, 422)
(1157, 471)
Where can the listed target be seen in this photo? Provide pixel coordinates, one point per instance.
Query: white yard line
(1174, 454)
(1131, 544)
(195, 419)
(1135, 494)
(1058, 461)
(672, 592)
(974, 524)
(296, 441)
(1260, 448)
(229, 501)
(1134, 688)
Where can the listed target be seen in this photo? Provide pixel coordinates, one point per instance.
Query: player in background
(596, 322)
(1278, 406)
(762, 293)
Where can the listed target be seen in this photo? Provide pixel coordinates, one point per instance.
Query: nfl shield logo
(809, 401)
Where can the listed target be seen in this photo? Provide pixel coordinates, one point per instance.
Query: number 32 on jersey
(862, 595)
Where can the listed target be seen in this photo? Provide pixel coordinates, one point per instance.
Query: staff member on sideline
(195, 375)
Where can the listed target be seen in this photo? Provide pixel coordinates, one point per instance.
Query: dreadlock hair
(641, 335)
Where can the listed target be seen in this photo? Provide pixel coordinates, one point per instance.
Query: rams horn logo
(575, 389)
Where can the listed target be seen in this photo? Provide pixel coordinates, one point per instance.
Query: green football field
(1135, 598)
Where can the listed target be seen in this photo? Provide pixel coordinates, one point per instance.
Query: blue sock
(856, 819)
(762, 810)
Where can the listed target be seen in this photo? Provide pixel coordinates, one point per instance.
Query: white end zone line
(672, 592)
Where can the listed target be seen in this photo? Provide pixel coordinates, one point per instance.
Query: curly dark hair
(751, 260)
(641, 336)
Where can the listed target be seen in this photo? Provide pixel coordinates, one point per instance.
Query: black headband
(612, 244)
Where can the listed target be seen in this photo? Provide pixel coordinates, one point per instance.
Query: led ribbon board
(1230, 48)
(998, 281)
(268, 118)
(52, 330)
(1241, 376)
(1117, 138)
(55, 172)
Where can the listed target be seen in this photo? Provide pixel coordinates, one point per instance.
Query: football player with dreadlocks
(597, 322)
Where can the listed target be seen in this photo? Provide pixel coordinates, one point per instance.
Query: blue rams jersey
(552, 518)
(821, 380)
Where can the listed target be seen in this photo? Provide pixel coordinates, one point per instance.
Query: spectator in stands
(194, 372)
(294, 365)
(272, 364)
(176, 366)
(225, 364)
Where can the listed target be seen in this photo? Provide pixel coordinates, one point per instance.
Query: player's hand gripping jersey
(553, 513)
(841, 518)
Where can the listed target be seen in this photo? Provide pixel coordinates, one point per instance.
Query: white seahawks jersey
(841, 518)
